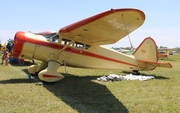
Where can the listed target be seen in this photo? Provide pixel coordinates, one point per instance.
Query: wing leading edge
(105, 28)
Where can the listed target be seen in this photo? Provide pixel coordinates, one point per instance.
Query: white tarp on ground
(114, 77)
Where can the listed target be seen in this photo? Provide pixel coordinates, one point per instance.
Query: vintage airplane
(163, 55)
(165, 52)
(81, 45)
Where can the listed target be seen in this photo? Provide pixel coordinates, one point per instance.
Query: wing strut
(55, 56)
(128, 34)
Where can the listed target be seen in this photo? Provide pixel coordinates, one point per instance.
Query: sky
(162, 21)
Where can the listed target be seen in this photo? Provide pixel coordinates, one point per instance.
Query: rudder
(147, 50)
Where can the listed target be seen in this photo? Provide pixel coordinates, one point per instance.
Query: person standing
(6, 57)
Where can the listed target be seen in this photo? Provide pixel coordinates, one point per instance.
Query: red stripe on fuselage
(82, 52)
(107, 58)
(85, 53)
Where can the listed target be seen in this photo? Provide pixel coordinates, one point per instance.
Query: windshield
(53, 37)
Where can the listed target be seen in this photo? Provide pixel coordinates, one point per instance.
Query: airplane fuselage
(78, 54)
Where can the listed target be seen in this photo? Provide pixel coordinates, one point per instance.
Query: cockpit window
(53, 37)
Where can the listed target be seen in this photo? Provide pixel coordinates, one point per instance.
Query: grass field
(81, 92)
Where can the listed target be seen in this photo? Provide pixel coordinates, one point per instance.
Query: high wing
(105, 28)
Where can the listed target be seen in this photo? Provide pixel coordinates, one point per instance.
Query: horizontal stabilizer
(157, 64)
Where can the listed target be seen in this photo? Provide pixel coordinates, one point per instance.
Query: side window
(76, 44)
(87, 46)
(65, 41)
(79, 45)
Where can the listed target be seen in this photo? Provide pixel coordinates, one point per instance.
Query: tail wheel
(136, 72)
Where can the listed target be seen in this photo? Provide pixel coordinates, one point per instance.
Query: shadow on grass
(30, 79)
(26, 63)
(86, 96)
(81, 93)
(156, 77)
(18, 81)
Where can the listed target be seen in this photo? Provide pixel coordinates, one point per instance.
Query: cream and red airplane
(81, 45)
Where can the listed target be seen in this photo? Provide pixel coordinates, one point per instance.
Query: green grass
(81, 92)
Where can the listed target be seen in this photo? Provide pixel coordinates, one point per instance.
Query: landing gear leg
(33, 69)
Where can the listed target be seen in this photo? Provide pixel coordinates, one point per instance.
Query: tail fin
(147, 57)
(147, 50)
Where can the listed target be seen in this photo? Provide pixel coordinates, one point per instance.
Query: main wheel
(50, 76)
